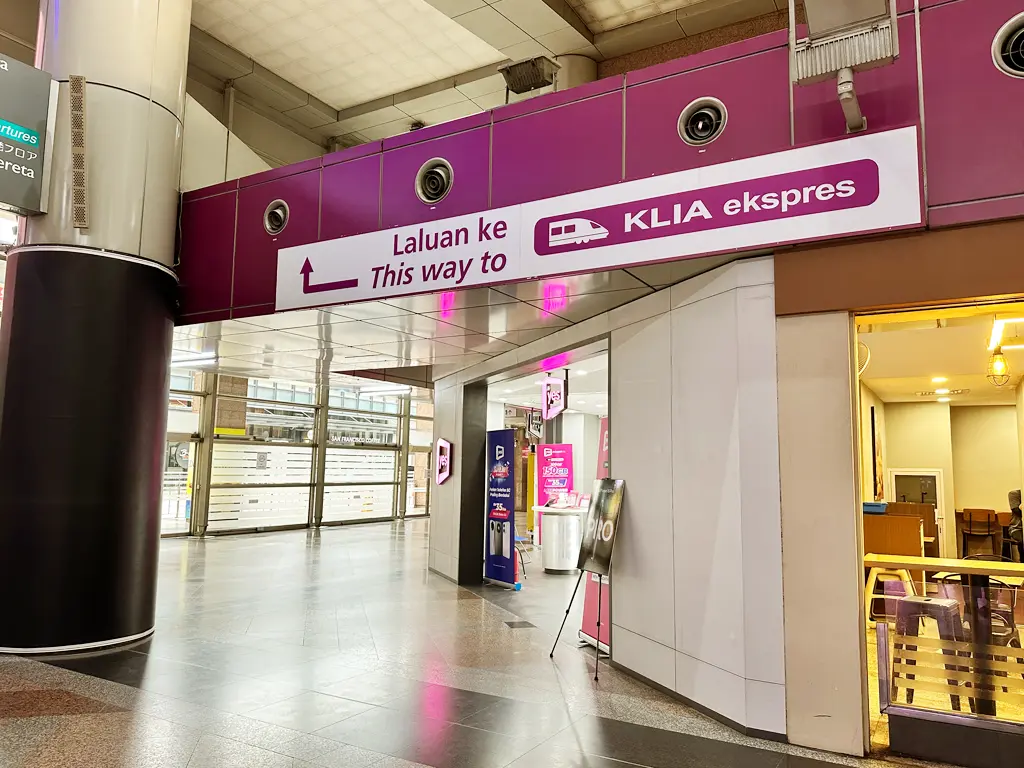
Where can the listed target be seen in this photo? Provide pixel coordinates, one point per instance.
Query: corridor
(338, 648)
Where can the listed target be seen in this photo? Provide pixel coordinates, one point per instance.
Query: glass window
(366, 502)
(354, 428)
(274, 422)
(350, 465)
(250, 485)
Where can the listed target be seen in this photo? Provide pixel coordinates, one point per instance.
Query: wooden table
(976, 598)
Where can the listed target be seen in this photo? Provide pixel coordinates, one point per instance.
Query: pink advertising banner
(554, 471)
(866, 183)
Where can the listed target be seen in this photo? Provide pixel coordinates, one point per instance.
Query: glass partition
(259, 485)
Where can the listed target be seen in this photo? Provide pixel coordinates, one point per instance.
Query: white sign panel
(858, 185)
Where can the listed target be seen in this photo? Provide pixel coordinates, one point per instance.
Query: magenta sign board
(867, 183)
(816, 190)
(554, 471)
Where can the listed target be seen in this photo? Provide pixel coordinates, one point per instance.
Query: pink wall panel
(255, 269)
(207, 249)
(974, 113)
(468, 154)
(888, 96)
(556, 151)
(350, 198)
(755, 95)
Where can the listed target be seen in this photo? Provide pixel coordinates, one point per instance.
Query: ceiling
(912, 349)
(448, 331)
(347, 52)
(588, 387)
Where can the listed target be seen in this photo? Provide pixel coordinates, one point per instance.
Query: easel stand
(597, 646)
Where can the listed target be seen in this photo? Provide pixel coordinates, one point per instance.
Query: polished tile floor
(338, 648)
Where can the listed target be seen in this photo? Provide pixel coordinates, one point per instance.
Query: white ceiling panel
(424, 350)
(277, 341)
(573, 285)
(368, 310)
(386, 46)
(424, 327)
(451, 300)
(578, 308)
(500, 319)
(301, 318)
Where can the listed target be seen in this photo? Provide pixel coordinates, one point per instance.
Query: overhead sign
(552, 397)
(861, 184)
(28, 103)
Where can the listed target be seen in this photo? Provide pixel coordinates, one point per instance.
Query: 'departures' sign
(28, 100)
(862, 184)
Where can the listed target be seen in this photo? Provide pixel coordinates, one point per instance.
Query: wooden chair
(891, 535)
(926, 512)
(981, 534)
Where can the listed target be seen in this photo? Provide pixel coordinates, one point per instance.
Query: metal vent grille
(816, 60)
(529, 74)
(79, 170)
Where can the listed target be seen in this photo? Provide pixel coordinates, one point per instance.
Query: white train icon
(576, 231)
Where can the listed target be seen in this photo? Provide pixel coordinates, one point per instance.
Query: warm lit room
(941, 405)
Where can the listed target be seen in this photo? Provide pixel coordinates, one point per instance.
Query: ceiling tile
(453, 8)
(534, 17)
(212, 330)
(557, 288)
(491, 84)
(582, 307)
(450, 300)
(565, 40)
(525, 50)
(492, 27)
(278, 341)
(367, 310)
(354, 334)
(490, 100)
(424, 327)
(671, 272)
(452, 112)
(290, 31)
(427, 102)
(424, 350)
(387, 130)
(500, 319)
(300, 318)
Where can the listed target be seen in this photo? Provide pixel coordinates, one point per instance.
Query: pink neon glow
(442, 461)
(447, 304)
(554, 298)
(558, 361)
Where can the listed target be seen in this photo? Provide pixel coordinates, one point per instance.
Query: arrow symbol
(337, 285)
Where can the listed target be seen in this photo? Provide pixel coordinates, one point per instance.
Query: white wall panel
(822, 567)
(711, 687)
(444, 499)
(653, 660)
(641, 454)
(761, 523)
(706, 479)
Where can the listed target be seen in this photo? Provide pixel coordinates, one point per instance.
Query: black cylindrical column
(85, 344)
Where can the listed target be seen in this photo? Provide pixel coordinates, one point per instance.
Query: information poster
(599, 530)
(554, 471)
(500, 564)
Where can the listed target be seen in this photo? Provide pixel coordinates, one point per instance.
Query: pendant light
(998, 371)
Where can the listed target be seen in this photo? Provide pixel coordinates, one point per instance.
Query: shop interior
(557, 461)
(941, 439)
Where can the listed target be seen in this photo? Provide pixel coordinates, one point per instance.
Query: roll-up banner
(500, 565)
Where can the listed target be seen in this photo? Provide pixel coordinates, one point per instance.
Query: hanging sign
(865, 183)
(554, 472)
(534, 422)
(599, 530)
(500, 565)
(442, 460)
(28, 106)
(552, 397)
